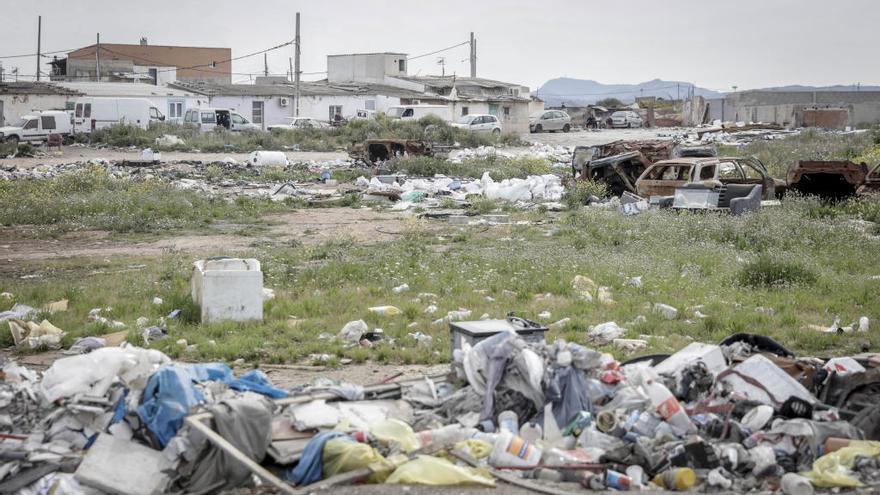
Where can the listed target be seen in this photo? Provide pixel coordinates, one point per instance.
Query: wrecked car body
(729, 177)
(871, 185)
(619, 163)
(374, 151)
(828, 179)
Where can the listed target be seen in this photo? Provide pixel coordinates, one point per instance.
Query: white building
(21, 98)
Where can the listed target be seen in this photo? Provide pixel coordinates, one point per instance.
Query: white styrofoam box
(228, 289)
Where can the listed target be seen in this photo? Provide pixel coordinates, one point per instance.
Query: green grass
(780, 154)
(92, 199)
(332, 139)
(684, 260)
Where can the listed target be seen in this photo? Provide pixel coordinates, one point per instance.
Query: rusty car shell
(375, 151)
(618, 172)
(827, 179)
(663, 177)
(871, 185)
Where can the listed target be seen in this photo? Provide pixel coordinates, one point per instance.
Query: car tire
(538, 129)
(12, 140)
(566, 128)
(629, 125)
(496, 132)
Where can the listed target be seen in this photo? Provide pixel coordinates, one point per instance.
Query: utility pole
(39, 36)
(290, 71)
(473, 55)
(98, 58)
(265, 64)
(1, 72)
(296, 72)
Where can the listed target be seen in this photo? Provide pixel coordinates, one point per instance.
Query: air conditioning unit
(284, 101)
(417, 102)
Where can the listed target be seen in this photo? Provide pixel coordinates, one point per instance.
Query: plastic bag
(477, 449)
(396, 431)
(343, 455)
(834, 469)
(428, 470)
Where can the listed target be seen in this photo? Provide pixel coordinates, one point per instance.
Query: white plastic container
(228, 289)
(509, 422)
(669, 408)
(267, 158)
(512, 451)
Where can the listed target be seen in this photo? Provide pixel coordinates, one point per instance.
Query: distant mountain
(577, 92)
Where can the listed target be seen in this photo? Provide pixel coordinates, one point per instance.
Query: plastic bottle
(385, 310)
(509, 422)
(669, 408)
(531, 433)
(446, 435)
(512, 451)
(795, 484)
(678, 479)
(577, 425)
(618, 481)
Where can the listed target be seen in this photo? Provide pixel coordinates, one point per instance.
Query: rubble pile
(743, 415)
(554, 154)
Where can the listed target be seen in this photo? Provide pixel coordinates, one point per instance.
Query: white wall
(318, 107)
(164, 75)
(273, 112)
(370, 67)
(15, 106)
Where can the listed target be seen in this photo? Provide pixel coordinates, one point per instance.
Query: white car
(36, 127)
(300, 123)
(209, 118)
(549, 120)
(479, 123)
(626, 118)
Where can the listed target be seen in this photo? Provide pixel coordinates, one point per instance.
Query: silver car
(626, 118)
(480, 123)
(549, 120)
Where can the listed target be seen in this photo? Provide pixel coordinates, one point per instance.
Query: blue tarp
(311, 467)
(170, 394)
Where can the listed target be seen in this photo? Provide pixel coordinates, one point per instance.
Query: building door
(493, 109)
(257, 113)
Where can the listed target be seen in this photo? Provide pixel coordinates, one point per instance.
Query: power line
(42, 53)
(438, 51)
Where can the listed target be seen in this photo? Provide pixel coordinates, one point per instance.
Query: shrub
(576, 194)
(768, 272)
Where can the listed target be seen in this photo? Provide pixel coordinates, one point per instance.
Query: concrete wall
(786, 107)
(369, 67)
(15, 106)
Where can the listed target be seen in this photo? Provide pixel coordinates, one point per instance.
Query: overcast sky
(747, 43)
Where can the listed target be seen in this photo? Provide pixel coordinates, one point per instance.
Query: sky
(715, 44)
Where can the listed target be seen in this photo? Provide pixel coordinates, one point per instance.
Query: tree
(610, 103)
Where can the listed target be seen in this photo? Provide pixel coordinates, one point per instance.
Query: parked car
(549, 120)
(626, 118)
(663, 177)
(91, 113)
(300, 123)
(36, 127)
(209, 118)
(479, 123)
(415, 112)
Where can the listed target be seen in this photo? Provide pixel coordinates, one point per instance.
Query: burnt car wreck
(828, 179)
(375, 151)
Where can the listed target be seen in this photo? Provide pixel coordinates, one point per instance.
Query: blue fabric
(310, 468)
(170, 394)
(257, 381)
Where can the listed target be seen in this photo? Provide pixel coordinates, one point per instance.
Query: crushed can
(617, 481)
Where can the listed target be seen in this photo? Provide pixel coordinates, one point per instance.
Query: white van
(91, 113)
(415, 112)
(36, 127)
(209, 118)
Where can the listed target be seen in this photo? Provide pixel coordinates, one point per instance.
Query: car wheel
(629, 125)
(566, 128)
(496, 132)
(12, 140)
(538, 128)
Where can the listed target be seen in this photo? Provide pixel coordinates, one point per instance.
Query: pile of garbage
(409, 192)
(742, 415)
(549, 152)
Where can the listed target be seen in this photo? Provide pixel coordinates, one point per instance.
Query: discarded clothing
(311, 468)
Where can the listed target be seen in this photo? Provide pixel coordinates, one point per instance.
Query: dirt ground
(602, 136)
(308, 226)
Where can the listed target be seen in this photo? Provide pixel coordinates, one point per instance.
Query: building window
(370, 104)
(175, 109)
(464, 111)
(334, 111)
(257, 112)
(506, 112)
(401, 64)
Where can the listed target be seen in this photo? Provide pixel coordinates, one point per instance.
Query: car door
(482, 123)
(237, 122)
(208, 120)
(662, 179)
(30, 130)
